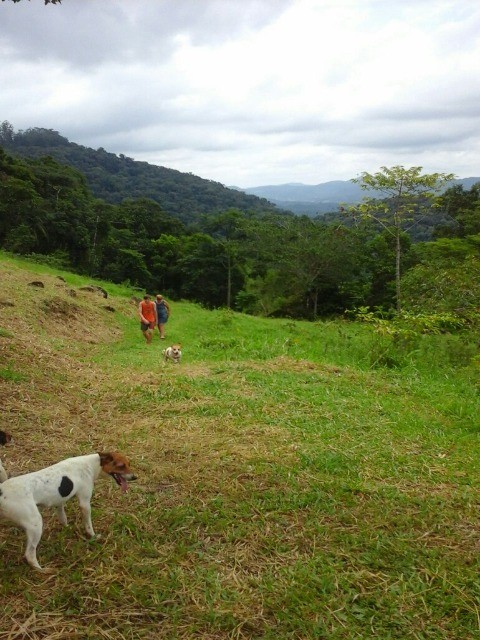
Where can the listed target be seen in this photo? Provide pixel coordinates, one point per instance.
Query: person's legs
(161, 330)
(147, 332)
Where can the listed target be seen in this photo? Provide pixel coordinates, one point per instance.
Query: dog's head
(117, 466)
(5, 437)
(176, 350)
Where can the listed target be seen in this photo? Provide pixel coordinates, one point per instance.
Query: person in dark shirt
(163, 314)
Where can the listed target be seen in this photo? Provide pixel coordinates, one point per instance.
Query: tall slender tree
(406, 195)
(228, 230)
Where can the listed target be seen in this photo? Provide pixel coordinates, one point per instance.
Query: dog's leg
(25, 514)
(34, 534)
(3, 474)
(62, 516)
(33, 526)
(85, 508)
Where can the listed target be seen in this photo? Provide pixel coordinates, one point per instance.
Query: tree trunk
(229, 281)
(398, 247)
(315, 304)
(398, 252)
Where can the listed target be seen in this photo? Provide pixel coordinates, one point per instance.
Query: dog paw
(95, 538)
(47, 571)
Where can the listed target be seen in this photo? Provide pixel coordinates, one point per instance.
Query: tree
(408, 196)
(167, 250)
(463, 210)
(228, 230)
(201, 271)
(446, 278)
(7, 132)
(301, 267)
(322, 259)
(46, 1)
(20, 202)
(129, 266)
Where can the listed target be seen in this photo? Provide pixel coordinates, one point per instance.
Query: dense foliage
(260, 262)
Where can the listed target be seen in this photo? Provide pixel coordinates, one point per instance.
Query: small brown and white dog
(173, 353)
(21, 496)
(5, 438)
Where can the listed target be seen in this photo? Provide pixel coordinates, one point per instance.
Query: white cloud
(251, 92)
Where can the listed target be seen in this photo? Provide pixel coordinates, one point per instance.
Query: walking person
(147, 311)
(163, 313)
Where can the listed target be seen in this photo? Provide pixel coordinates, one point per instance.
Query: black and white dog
(21, 496)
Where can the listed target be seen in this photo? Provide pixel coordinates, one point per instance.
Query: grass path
(286, 489)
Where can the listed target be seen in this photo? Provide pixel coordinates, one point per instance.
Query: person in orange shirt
(147, 311)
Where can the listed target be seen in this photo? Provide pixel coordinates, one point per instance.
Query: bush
(57, 260)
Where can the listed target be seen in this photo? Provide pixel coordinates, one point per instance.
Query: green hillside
(114, 178)
(290, 483)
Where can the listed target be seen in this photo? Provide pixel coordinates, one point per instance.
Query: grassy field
(289, 487)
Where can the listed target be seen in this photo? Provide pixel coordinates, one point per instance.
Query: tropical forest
(157, 229)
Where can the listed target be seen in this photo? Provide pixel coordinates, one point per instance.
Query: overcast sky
(251, 92)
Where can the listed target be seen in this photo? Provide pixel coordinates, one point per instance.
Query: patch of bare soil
(54, 307)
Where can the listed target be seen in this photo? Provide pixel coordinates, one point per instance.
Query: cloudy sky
(251, 92)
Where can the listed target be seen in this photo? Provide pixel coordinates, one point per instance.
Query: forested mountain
(114, 178)
(326, 197)
(262, 262)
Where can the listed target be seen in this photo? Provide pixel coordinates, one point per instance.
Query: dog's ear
(105, 458)
(5, 437)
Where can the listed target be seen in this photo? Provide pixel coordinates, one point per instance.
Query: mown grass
(289, 487)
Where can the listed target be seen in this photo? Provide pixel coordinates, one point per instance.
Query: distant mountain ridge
(324, 197)
(183, 195)
(298, 192)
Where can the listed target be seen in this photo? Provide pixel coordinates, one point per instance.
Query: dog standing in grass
(21, 496)
(173, 353)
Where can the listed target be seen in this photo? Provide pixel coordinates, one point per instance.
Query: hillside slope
(114, 178)
(280, 475)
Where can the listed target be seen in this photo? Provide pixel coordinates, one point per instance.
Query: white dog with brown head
(173, 353)
(21, 496)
